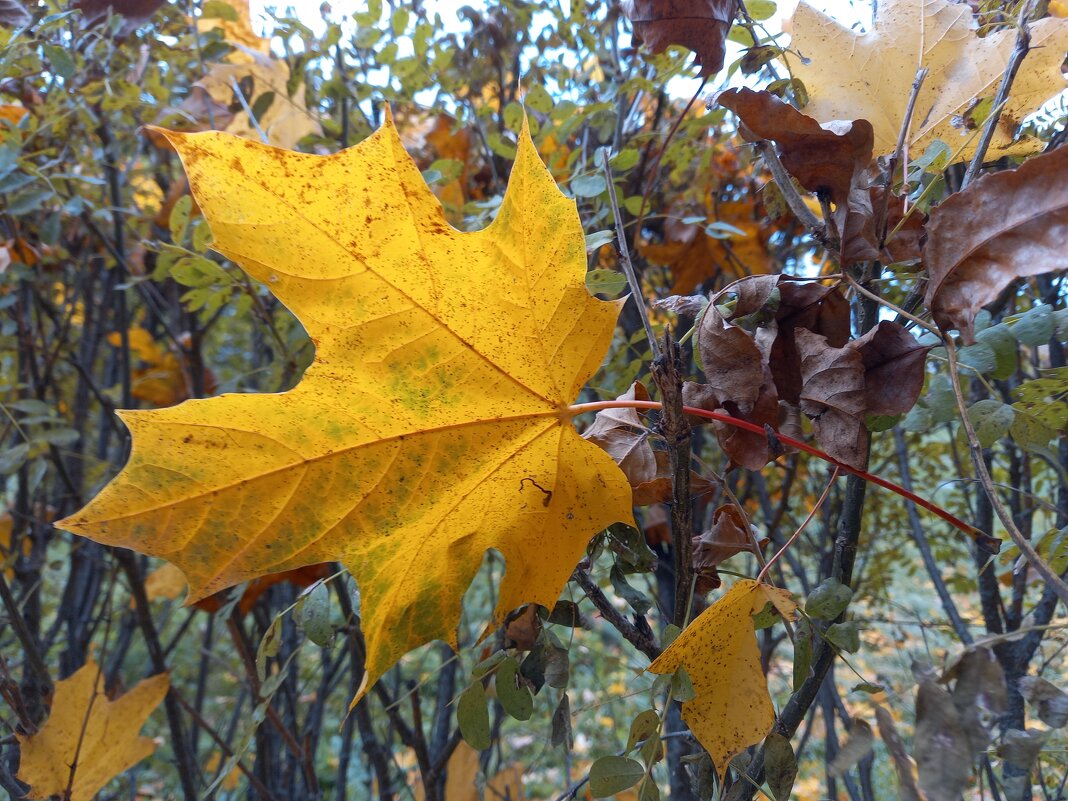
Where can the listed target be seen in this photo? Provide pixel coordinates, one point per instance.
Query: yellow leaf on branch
(433, 424)
(88, 739)
(851, 75)
(732, 709)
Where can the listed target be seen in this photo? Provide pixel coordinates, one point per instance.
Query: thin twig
(631, 633)
(1019, 52)
(1055, 582)
(624, 259)
(902, 138)
(789, 191)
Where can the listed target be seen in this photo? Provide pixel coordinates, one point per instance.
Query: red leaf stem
(984, 540)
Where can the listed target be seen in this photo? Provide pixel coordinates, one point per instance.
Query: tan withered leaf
(1005, 226)
(879, 374)
(732, 363)
(106, 730)
(853, 75)
(727, 536)
(625, 438)
(732, 708)
(700, 25)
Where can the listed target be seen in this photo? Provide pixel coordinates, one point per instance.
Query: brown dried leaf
(700, 25)
(136, 12)
(727, 536)
(752, 294)
(1050, 701)
(743, 448)
(621, 433)
(732, 363)
(833, 397)
(893, 368)
(823, 158)
(903, 764)
(524, 628)
(979, 695)
(820, 309)
(1005, 226)
(941, 745)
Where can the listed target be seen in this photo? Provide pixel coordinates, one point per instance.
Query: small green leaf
(488, 664)
(828, 600)
(588, 185)
(1036, 326)
(780, 766)
(761, 10)
(642, 728)
(1003, 344)
(537, 99)
(596, 240)
(179, 219)
(514, 696)
(803, 642)
(472, 716)
(681, 687)
(845, 636)
(991, 419)
(614, 774)
(315, 614)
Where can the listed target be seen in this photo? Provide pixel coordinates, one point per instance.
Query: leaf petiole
(981, 538)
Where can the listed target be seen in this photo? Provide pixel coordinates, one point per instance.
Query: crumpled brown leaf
(1007, 225)
(940, 745)
(893, 368)
(823, 158)
(621, 433)
(700, 25)
(809, 305)
(732, 363)
(726, 537)
(833, 158)
(832, 396)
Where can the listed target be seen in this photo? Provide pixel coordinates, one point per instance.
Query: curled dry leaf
(1007, 225)
(625, 438)
(428, 429)
(1050, 702)
(106, 731)
(731, 709)
(823, 158)
(622, 434)
(893, 368)
(732, 363)
(851, 75)
(729, 535)
(806, 305)
(903, 764)
(979, 694)
(941, 745)
(832, 396)
(859, 745)
(700, 25)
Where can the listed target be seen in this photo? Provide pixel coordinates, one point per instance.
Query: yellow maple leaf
(851, 75)
(732, 708)
(433, 423)
(96, 736)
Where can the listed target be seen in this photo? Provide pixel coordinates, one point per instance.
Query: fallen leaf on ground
(106, 730)
(700, 25)
(732, 708)
(432, 424)
(1007, 225)
(851, 75)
